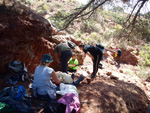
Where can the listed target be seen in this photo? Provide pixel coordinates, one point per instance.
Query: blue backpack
(14, 96)
(20, 92)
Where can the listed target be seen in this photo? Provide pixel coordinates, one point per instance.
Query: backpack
(17, 71)
(17, 68)
(71, 44)
(53, 107)
(100, 46)
(14, 96)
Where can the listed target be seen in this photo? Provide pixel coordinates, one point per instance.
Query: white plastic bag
(65, 88)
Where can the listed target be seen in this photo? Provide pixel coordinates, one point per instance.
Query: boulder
(128, 56)
(26, 36)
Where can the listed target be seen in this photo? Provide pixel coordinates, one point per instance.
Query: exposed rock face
(128, 57)
(26, 36)
(20, 37)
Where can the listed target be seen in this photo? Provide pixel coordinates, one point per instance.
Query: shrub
(145, 54)
(129, 71)
(58, 23)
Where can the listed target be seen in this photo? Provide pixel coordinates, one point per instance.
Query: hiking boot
(79, 80)
(93, 76)
(72, 76)
(89, 80)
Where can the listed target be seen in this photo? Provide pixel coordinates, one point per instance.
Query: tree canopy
(93, 5)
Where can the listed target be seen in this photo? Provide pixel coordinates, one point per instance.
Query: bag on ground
(71, 44)
(14, 97)
(53, 107)
(65, 88)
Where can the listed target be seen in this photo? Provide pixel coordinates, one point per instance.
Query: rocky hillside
(26, 36)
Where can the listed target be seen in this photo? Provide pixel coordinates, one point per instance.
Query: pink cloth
(71, 101)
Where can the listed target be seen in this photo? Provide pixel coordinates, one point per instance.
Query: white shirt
(42, 81)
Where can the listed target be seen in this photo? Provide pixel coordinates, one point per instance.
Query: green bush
(107, 35)
(145, 54)
(142, 72)
(89, 26)
(57, 19)
(129, 71)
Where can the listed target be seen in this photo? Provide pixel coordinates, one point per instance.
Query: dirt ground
(104, 95)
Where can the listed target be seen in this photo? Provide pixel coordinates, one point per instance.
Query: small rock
(82, 67)
(88, 80)
(148, 79)
(112, 63)
(88, 72)
(114, 77)
(109, 73)
(145, 83)
(120, 71)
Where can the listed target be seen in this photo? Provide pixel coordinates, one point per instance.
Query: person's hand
(92, 58)
(57, 60)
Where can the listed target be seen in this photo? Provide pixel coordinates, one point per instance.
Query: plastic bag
(65, 88)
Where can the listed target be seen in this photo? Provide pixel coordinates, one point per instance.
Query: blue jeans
(65, 56)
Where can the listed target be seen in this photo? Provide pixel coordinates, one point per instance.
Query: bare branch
(75, 15)
(88, 16)
(79, 14)
(93, 9)
(134, 19)
(132, 11)
(143, 2)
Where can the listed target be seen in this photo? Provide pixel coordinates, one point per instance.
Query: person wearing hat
(96, 55)
(43, 87)
(62, 55)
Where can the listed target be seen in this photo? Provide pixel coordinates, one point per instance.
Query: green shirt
(73, 62)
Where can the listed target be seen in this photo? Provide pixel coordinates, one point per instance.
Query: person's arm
(55, 78)
(71, 65)
(57, 58)
(90, 55)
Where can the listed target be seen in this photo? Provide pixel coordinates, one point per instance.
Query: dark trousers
(71, 70)
(65, 56)
(96, 61)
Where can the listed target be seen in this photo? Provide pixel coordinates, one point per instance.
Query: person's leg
(97, 63)
(43, 97)
(71, 70)
(94, 65)
(80, 79)
(65, 56)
